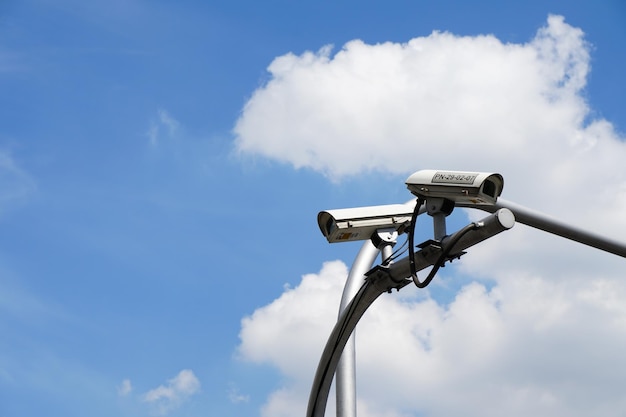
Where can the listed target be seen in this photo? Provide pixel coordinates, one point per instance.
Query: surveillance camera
(360, 223)
(461, 187)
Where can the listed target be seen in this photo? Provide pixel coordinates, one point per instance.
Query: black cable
(411, 233)
(444, 255)
(395, 254)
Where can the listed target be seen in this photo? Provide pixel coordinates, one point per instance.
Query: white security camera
(461, 187)
(360, 223)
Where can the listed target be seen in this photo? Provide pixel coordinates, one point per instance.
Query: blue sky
(162, 165)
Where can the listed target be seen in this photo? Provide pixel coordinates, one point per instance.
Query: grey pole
(345, 377)
(549, 224)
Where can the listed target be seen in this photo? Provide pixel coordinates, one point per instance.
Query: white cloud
(298, 321)
(125, 388)
(299, 318)
(528, 346)
(392, 106)
(179, 389)
(442, 101)
(168, 122)
(237, 397)
(541, 329)
(165, 122)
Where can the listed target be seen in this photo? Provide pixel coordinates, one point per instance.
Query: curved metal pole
(345, 376)
(383, 279)
(345, 382)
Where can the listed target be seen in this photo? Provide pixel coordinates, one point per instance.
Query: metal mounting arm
(551, 225)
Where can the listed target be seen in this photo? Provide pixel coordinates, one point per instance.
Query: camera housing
(360, 223)
(477, 188)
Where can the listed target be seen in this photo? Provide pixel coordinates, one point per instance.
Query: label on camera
(454, 177)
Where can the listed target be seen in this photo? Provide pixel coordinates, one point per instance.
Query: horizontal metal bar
(501, 220)
(551, 225)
